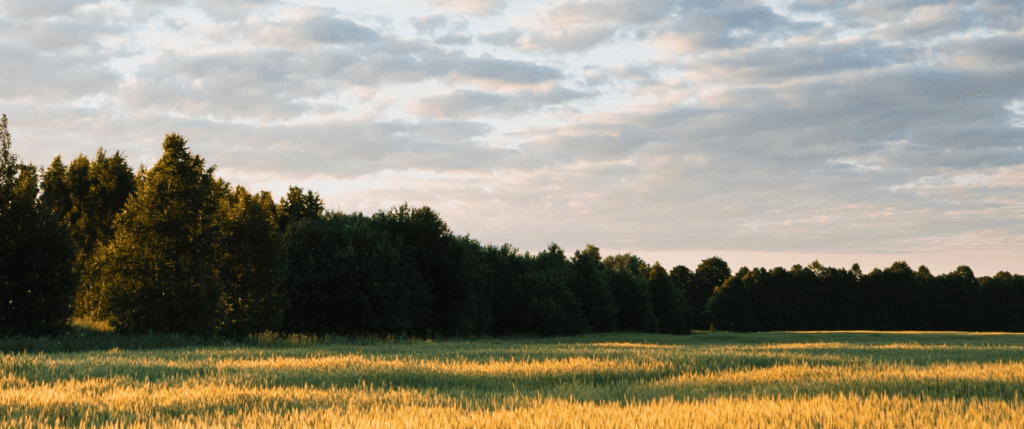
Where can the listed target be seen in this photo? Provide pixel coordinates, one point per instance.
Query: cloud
(579, 25)
(725, 28)
(428, 24)
(442, 30)
(27, 75)
(471, 7)
(805, 127)
(461, 104)
(325, 29)
(261, 84)
(42, 8)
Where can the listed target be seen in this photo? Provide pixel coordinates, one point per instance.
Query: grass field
(766, 380)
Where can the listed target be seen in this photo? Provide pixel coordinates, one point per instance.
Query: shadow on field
(604, 367)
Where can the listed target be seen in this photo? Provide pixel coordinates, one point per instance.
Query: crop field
(762, 380)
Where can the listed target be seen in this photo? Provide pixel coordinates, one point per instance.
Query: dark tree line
(896, 298)
(173, 248)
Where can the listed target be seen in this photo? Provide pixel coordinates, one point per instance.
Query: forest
(174, 249)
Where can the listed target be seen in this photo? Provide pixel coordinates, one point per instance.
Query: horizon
(768, 133)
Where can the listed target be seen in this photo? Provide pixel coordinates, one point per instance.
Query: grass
(767, 380)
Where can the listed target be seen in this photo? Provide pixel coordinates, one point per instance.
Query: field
(764, 380)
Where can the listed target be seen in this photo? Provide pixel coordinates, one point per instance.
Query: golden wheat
(774, 380)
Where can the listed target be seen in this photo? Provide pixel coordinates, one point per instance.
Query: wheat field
(762, 380)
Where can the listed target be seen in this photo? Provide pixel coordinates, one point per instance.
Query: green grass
(92, 377)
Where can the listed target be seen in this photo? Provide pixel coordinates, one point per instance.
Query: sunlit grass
(821, 379)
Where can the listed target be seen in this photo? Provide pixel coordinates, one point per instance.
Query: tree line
(173, 248)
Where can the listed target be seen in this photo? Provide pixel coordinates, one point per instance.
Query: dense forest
(173, 248)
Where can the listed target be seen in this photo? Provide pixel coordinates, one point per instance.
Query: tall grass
(766, 380)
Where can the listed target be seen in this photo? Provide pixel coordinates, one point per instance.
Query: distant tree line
(896, 298)
(172, 248)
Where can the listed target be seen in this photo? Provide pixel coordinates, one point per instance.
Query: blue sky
(765, 132)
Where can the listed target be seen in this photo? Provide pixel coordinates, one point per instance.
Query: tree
(160, 271)
(1000, 299)
(908, 307)
(628, 262)
(836, 297)
(37, 280)
(730, 307)
(711, 273)
(510, 310)
(298, 207)
(878, 302)
(87, 195)
(632, 292)
(594, 292)
(682, 277)
(550, 307)
(452, 298)
(348, 276)
(251, 264)
(961, 291)
(670, 307)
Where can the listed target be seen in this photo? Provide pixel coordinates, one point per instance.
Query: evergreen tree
(37, 280)
(160, 271)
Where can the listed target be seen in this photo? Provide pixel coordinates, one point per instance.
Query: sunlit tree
(161, 270)
(87, 195)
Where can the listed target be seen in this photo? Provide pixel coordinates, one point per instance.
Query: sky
(769, 133)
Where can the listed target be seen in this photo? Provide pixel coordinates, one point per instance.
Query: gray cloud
(26, 74)
(427, 25)
(332, 30)
(260, 83)
(467, 103)
(40, 8)
(442, 30)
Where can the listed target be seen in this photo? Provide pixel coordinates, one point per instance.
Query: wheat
(776, 380)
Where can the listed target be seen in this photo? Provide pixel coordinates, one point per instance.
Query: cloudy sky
(767, 132)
